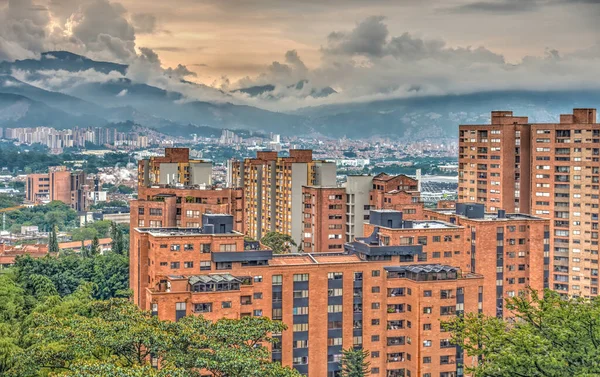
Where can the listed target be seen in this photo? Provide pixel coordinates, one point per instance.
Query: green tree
(116, 337)
(95, 246)
(232, 348)
(117, 243)
(550, 336)
(279, 243)
(354, 363)
(83, 234)
(53, 241)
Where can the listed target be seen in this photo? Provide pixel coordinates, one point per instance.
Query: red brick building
(331, 215)
(324, 218)
(165, 206)
(61, 184)
(386, 293)
(511, 251)
(546, 169)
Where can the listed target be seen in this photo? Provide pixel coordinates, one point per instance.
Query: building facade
(174, 168)
(162, 206)
(272, 186)
(386, 293)
(549, 170)
(73, 188)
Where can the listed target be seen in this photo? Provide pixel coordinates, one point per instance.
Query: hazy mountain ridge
(121, 100)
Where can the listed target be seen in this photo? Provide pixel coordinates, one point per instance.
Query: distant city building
(545, 169)
(73, 188)
(56, 140)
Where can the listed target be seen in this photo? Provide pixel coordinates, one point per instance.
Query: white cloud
(367, 63)
(122, 93)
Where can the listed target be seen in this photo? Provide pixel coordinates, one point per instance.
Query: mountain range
(171, 112)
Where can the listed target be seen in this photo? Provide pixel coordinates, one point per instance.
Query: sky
(362, 49)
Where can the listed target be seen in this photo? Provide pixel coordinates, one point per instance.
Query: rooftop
(163, 232)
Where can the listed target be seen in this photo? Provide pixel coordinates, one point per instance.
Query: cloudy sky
(361, 48)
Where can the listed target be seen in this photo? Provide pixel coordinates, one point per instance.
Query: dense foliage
(45, 217)
(52, 324)
(278, 242)
(8, 201)
(550, 337)
(108, 274)
(36, 159)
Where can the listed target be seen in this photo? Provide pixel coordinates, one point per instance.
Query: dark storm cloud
(497, 6)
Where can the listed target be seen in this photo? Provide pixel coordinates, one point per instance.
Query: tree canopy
(354, 363)
(279, 243)
(550, 336)
(70, 316)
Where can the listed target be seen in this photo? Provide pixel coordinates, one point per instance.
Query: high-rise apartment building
(174, 168)
(545, 169)
(387, 292)
(273, 190)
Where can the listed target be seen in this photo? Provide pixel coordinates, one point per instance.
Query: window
(427, 360)
(300, 277)
(141, 210)
(427, 343)
(258, 313)
(375, 273)
(426, 326)
(436, 239)
(227, 247)
(175, 265)
(335, 276)
(203, 308)
(375, 290)
(334, 308)
(226, 304)
(188, 264)
(175, 247)
(277, 314)
(258, 279)
(334, 341)
(299, 326)
(334, 292)
(375, 305)
(155, 211)
(205, 266)
(427, 310)
(300, 310)
(300, 360)
(277, 279)
(205, 248)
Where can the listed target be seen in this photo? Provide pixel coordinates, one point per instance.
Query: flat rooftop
(433, 225)
(488, 215)
(317, 258)
(162, 232)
